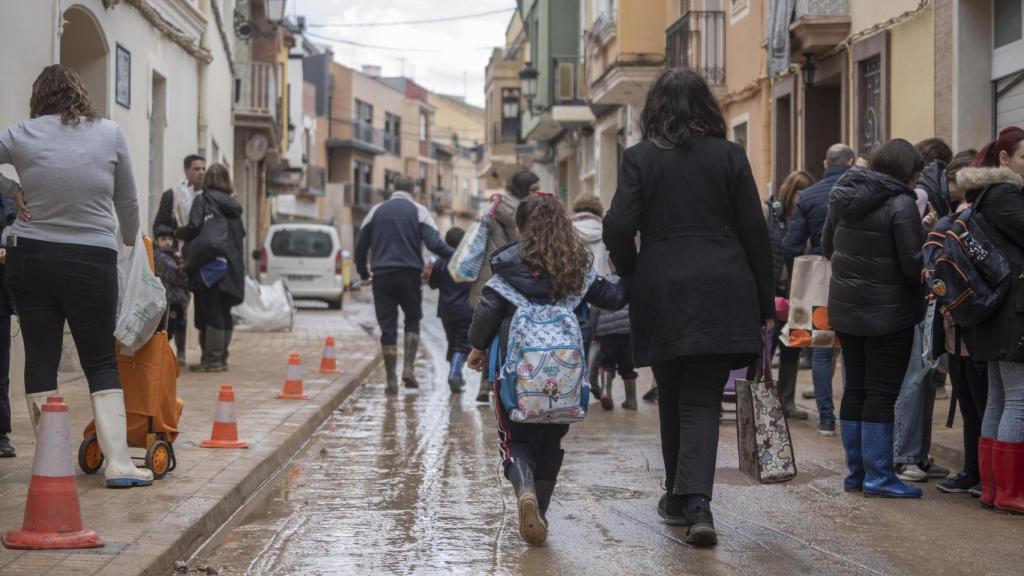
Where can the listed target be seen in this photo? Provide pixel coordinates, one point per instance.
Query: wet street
(411, 485)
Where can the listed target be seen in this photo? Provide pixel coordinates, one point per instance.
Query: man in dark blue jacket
(394, 233)
(804, 237)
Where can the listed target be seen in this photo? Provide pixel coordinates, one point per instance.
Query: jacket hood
(226, 203)
(588, 227)
(861, 191)
(980, 178)
(934, 182)
(508, 264)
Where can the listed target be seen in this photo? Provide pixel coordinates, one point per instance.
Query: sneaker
(652, 395)
(795, 413)
(935, 471)
(6, 448)
(975, 490)
(701, 532)
(807, 394)
(827, 429)
(959, 484)
(671, 509)
(911, 473)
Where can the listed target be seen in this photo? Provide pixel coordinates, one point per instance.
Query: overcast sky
(445, 57)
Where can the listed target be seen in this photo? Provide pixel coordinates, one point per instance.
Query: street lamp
(528, 82)
(808, 70)
(275, 10)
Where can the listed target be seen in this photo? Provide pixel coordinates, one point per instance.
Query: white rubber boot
(35, 403)
(112, 433)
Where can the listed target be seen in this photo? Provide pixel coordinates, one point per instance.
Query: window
(393, 133)
(1008, 22)
(363, 128)
(301, 244)
(510, 114)
(423, 126)
(871, 104)
(390, 176)
(739, 134)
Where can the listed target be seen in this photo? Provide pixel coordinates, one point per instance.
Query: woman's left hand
(477, 359)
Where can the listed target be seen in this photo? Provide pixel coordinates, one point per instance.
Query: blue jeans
(821, 374)
(1004, 415)
(912, 433)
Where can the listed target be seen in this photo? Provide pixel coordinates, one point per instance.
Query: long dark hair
(59, 90)
(218, 178)
(519, 185)
(899, 159)
(679, 107)
(549, 245)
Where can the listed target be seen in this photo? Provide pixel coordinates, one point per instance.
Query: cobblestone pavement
(410, 485)
(147, 529)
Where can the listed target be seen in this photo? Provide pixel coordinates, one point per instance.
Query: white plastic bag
(266, 308)
(141, 298)
(469, 256)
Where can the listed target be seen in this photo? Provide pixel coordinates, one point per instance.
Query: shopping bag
(469, 256)
(212, 241)
(765, 446)
(142, 299)
(808, 324)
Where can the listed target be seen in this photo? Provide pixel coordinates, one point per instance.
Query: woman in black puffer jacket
(873, 235)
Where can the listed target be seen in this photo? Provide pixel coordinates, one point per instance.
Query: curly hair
(549, 245)
(59, 90)
(680, 107)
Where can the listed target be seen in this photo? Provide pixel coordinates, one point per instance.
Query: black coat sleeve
(753, 234)
(165, 214)
(625, 216)
(908, 235)
(195, 221)
(490, 312)
(607, 295)
(1008, 216)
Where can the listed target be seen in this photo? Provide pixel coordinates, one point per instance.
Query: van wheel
(335, 305)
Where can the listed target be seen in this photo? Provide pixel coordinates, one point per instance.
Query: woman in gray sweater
(75, 174)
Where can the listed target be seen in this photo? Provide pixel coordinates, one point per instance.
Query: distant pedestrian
(501, 219)
(873, 236)
(75, 173)
(391, 244)
(778, 212)
(170, 267)
(803, 236)
(998, 172)
(176, 203)
(701, 279)
(216, 272)
(8, 214)
(549, 265)
(454, 311)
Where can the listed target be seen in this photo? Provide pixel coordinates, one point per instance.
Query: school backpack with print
(544, 374)
(963, 269)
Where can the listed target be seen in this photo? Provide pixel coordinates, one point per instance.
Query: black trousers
(538, 444)
(213, 309)
(689, 403)
(970, 379)
(617, 354)
(456, 329)
(56, 283)
(875, 366)
(5, 374)
(391, 291)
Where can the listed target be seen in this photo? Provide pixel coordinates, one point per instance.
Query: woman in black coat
(701, 284)
(215, 264)
(873, 236)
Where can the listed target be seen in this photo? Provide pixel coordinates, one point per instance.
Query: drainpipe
(58, 22)
(202, 119)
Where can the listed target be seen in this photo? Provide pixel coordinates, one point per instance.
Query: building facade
(457, 141)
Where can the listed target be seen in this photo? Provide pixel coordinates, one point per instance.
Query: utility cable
(413, 22)
(392, 48)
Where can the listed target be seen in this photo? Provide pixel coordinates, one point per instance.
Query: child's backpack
(963, 269)
(544, 374)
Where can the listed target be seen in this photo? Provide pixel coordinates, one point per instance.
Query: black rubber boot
(412, 345)
(702, 526)
(390, 369)
(532, 526)
(546, 478)
(6, 448)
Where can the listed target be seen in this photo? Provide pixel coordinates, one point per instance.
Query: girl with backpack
(544, 275)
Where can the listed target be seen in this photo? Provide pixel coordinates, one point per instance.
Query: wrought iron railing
(256, 87)
(697, 41)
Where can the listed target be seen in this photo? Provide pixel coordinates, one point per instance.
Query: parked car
(308, 258)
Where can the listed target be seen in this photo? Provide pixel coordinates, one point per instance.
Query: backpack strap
(503, 288)
(573, 302)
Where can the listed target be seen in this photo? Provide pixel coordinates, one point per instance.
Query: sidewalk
(947, 443)
(147, 529)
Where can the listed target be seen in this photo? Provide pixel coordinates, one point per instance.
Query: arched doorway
(84, 50)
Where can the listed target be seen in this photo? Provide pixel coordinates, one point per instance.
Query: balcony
(697, 41)
(256, 96)
(568, 109)
(605, 27)
(365, 196)
(443, 199)
(316, 182)
(818, 27)
(365, 138)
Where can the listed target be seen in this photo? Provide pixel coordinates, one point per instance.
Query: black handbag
(212, 241)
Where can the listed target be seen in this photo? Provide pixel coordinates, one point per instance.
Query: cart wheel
(90, 457)
(158, 458)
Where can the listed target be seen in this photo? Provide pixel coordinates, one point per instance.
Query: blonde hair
(797, 181)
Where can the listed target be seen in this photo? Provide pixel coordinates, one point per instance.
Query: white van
(308, 258)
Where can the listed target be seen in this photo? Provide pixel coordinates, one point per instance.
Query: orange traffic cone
(225, 429)
(53, 518)
(329, 361)
(293, 382)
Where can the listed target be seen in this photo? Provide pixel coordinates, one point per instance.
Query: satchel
(212, 241)
(765, 446)
(808, 325)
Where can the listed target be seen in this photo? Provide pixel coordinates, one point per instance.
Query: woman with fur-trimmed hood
(998, 172)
